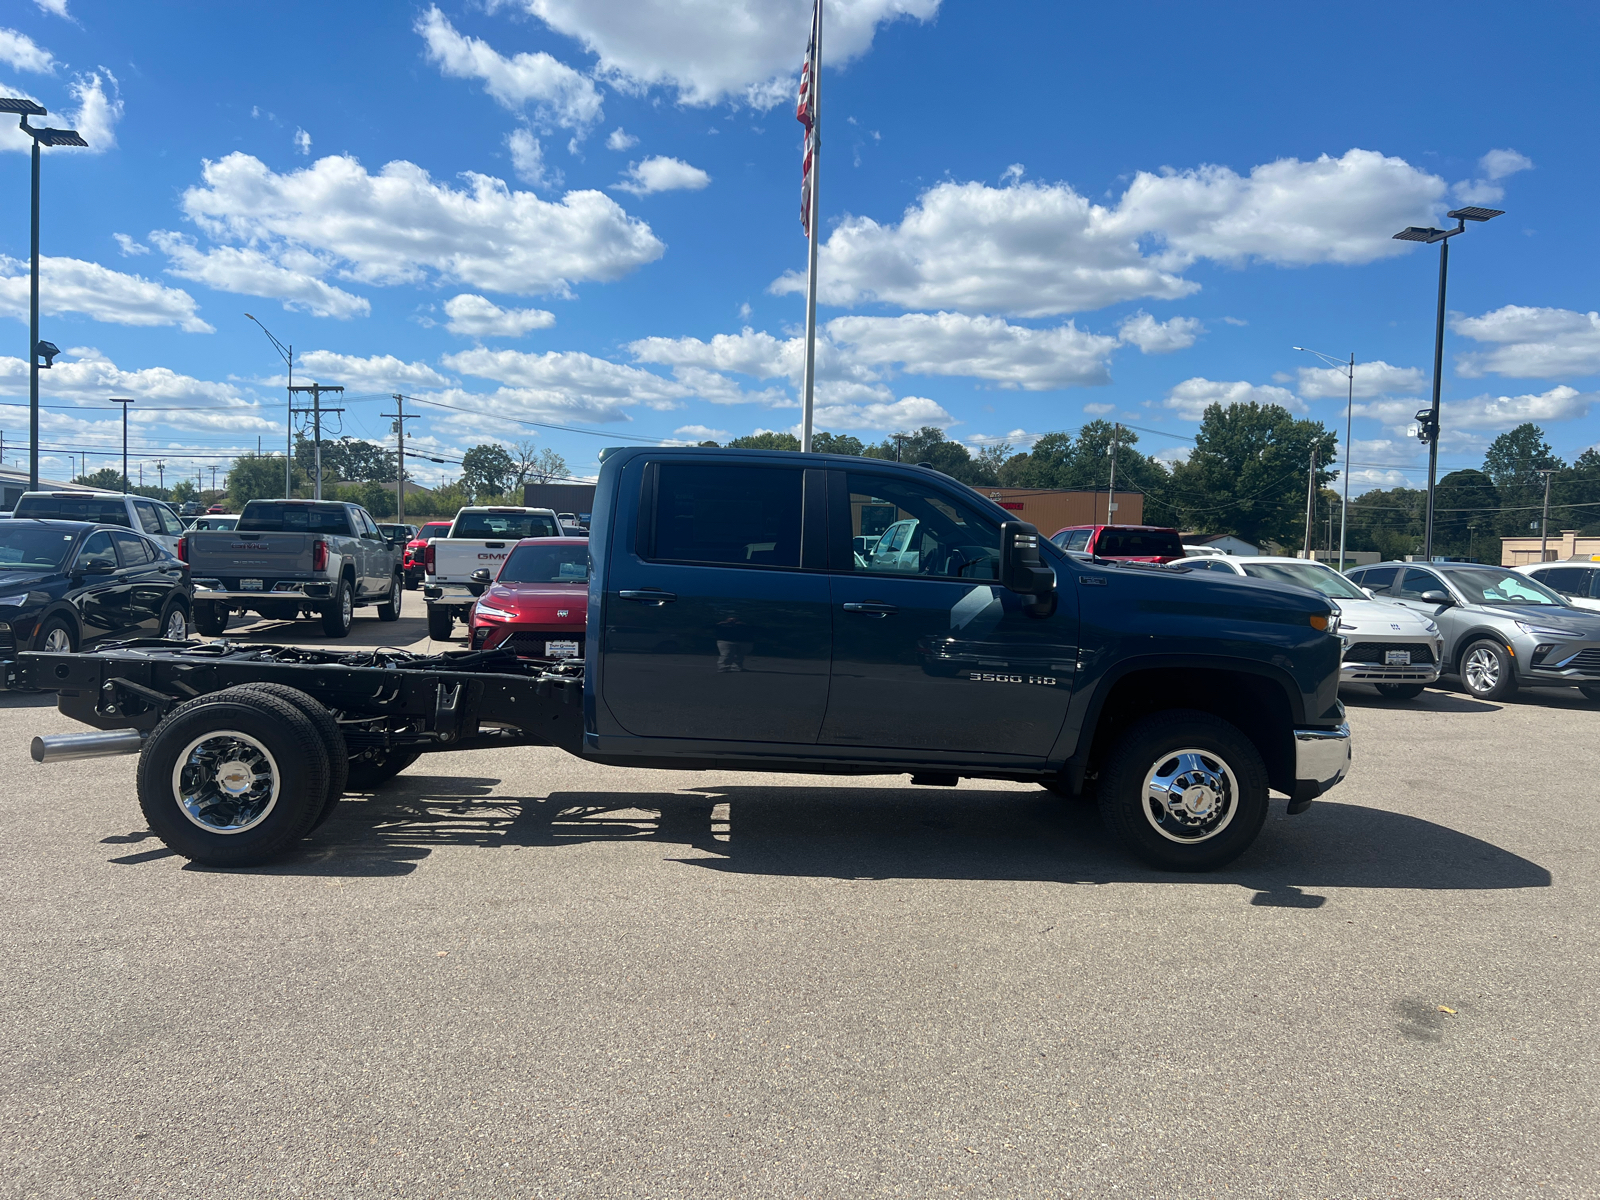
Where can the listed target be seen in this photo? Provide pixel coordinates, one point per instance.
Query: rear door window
(744, 516)
(170, 525)
(148, 520)
(132, 549)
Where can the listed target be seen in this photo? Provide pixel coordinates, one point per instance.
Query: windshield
(28, 547)
(1307, 575)
(546, 564)
(1491, 585)
(269, 517)
(507, 525)
(1138, 543)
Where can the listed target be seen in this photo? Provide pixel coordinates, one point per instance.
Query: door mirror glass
(1435, 596)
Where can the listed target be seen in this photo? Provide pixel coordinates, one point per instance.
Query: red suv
(1131, 543)
(411, 557)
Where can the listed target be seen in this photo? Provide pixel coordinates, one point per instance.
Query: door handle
(871, 608)
(652, 596)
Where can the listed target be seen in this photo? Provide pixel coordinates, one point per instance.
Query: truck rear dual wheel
(235, 778)
(439, 622)
(332, 740)
(1184, 791)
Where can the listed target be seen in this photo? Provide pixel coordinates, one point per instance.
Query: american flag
(805, 113)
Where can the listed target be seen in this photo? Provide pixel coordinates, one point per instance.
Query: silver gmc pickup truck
(291, 558)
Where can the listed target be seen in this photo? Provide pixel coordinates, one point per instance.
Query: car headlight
(16, 601)
(493, 613)
(1543, 631)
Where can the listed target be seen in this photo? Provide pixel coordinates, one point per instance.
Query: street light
(1428, 430)
(1348, 370)
(124, 401)
(287, 352)
(48, 137)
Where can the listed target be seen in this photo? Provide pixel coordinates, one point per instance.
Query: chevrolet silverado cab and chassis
(290, 558)
(732, 626)
(480, 538)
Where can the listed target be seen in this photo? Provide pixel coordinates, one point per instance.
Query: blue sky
(584, 213)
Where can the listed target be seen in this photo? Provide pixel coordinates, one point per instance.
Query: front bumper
(1375, 673)
(1364, 654)
(1321, 761)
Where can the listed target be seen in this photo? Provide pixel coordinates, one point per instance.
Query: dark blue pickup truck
(771, 611)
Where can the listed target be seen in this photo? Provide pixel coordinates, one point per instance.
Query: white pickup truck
(479, 539)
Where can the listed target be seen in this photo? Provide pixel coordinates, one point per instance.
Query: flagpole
(811, 223)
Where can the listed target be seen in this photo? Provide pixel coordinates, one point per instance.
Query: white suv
(1578, 582)
(153, 518)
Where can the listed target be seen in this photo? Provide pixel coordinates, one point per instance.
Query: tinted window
(132, 549)
(510, 526)
(1138, 543)
(1307, 575)
(1376, 580)
(434, 529)
(267, 516)
(97, 551)
(170, 524)
(937, 535)
(712, 513)
(105, 510)
(1415, 582)
(1077, 539)
(1569, 581)
(546, 564)
(26, 546)
(148, 520)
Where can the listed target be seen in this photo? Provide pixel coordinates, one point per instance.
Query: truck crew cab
(733, 625)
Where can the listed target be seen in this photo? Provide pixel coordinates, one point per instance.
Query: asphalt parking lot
(514, 974)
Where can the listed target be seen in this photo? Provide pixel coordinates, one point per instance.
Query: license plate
(249, 585)
(561, 649)
(1397, 658)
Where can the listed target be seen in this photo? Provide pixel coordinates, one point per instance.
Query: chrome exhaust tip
(59, 747)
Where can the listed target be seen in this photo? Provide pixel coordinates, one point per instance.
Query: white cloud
(71, 285)
(747, 352)
(527, 160)
(478, 316)
(1560, 403)
(1478, 191)
(906, 413)
(128, 246)
(1376, 378)
(977, 347)
(1159, 337)
(57, 7)
(1192, 397)
(1035, 250)
(710, 50)
(1531, 343)
(377, 373)
(1099, 410)
(561, 95)
(250, 272)
(399, 225)
(1017, 439)
(699, 433)
(22, 53)
(97, 114)
(618, 139)
(662, 174)
(1497, 164)
(569, 382)
(302, 141)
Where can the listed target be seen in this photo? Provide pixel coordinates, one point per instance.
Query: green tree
(487, 470)
(257, 477)
(1513, 462)
(1389, 522)
(106, 478)
(1465, 506)
(766, 440)
(183, 491)
(837, 443)
(1247, 472)
(1575, 495)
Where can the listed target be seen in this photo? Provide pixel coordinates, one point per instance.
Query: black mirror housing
(1023, 570)
(481, 575)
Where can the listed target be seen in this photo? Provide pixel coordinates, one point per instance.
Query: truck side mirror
(481, 575)
(1023, 571)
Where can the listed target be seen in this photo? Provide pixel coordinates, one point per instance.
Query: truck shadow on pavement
(897, 833)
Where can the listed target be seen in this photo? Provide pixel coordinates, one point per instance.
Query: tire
(389, 610)
(202, 747)
(332, 740)
(1590, 691)
(174, 624)
(210, 620)
(340, 613)
(1205, 756)
(439, 622)
(58, 636)
(1487, 672)
(370, 771)
(1399, 691)
(412, 583)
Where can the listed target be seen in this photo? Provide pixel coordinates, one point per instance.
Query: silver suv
(1500, 627)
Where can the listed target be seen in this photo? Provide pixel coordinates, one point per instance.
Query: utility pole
(1111, 494)
(124, 401)
(400, 418)
(1544, 521)
(899, 443)
(1311, 495)
(161, 475)
(316, 410)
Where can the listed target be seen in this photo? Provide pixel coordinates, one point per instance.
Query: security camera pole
(49, 137)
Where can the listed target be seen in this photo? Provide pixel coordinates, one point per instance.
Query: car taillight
(183, 549)
(319, 555)
(427, 559)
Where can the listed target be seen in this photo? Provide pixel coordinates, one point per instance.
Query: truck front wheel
(1184, 790)
(439, 622)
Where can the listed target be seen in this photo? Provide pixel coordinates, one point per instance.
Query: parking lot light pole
(1429, 428)
(41, 137)
(124, 401)
(1348, 370)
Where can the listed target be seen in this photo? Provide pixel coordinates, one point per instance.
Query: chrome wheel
(58, 640)
(225, 782)
(1481, 669)
(177, 626)
(1190, 796)
(347, 607)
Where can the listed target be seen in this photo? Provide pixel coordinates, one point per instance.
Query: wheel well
(1472, 639)
(68, 614)
(1257, 706)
